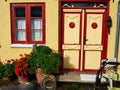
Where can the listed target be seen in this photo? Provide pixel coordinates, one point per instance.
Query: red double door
(84, 39)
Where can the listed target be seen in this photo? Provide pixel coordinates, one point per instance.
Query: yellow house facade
(78, 29)
(51, 29)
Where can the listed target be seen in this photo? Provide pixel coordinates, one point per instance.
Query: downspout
(117, 34)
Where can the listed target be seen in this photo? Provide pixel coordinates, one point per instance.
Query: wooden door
(82, 39)
(94, 32)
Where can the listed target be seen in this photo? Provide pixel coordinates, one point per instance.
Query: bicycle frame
(99, 85)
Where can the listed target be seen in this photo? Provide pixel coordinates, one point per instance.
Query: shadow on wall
(67, 64)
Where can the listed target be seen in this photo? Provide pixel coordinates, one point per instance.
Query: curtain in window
(36, 27)
(21, 30)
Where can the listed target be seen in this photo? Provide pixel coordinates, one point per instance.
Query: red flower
(22, 77)
(1, 63)
(21, 55)
(26, 65)
(20, 69)
(17, 72)
(12, 59)
(21, 66)
(25, 72)
(26, 55)
(8, 61)
(22, 59)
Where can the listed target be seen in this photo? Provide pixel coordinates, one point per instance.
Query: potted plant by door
(21, 68)
(44, 58)
(9, 71)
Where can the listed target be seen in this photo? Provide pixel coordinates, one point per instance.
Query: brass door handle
(85, 39)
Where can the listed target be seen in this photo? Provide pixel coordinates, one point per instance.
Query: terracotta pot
(39, 75)
(23, 80)
(6, 78)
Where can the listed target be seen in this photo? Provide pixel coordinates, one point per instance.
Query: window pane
(20, 24)
(36, 35)
(20, 12)
(21, 35)
(36, 27)
(36, 23)
(36, 11)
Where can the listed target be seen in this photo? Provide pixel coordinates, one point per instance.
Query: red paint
(94, 25)
(71, 24)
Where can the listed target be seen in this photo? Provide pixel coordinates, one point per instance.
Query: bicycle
(103, 82)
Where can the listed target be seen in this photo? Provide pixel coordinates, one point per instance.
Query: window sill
(22, 45)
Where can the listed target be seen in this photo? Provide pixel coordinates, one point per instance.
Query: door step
(76, 77)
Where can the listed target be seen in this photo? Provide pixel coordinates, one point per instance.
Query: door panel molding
(93, 47)
(92, 60)
(72, 10)
(71, 27)
(95, 10)
(72, 47)
(70, 61)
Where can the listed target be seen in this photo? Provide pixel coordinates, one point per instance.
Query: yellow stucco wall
(52, 13)
(111, 38)
(8, 52)
(119, 52)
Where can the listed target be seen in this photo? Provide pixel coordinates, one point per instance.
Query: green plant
(71, 87)
(9, 66)
(1, 70)
(45, 58)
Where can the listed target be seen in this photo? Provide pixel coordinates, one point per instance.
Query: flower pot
(6, 78)
(23, 80)
(39, 75)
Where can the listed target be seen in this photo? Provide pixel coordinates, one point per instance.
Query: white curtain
(21, 30)
(36, 27)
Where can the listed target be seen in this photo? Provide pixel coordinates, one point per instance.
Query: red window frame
(28, 26)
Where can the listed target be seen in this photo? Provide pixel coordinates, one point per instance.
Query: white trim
(72, 10)
(97, 10)
(88, 77)
(22, 45)
(71, 47)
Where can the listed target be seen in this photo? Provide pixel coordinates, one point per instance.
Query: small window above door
(85, 4)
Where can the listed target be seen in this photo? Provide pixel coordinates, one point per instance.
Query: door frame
(61, 28)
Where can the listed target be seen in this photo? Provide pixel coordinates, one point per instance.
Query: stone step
(76, 77)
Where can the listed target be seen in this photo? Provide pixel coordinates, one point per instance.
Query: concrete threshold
(76, 77)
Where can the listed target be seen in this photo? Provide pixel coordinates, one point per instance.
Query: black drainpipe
(117, 34)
